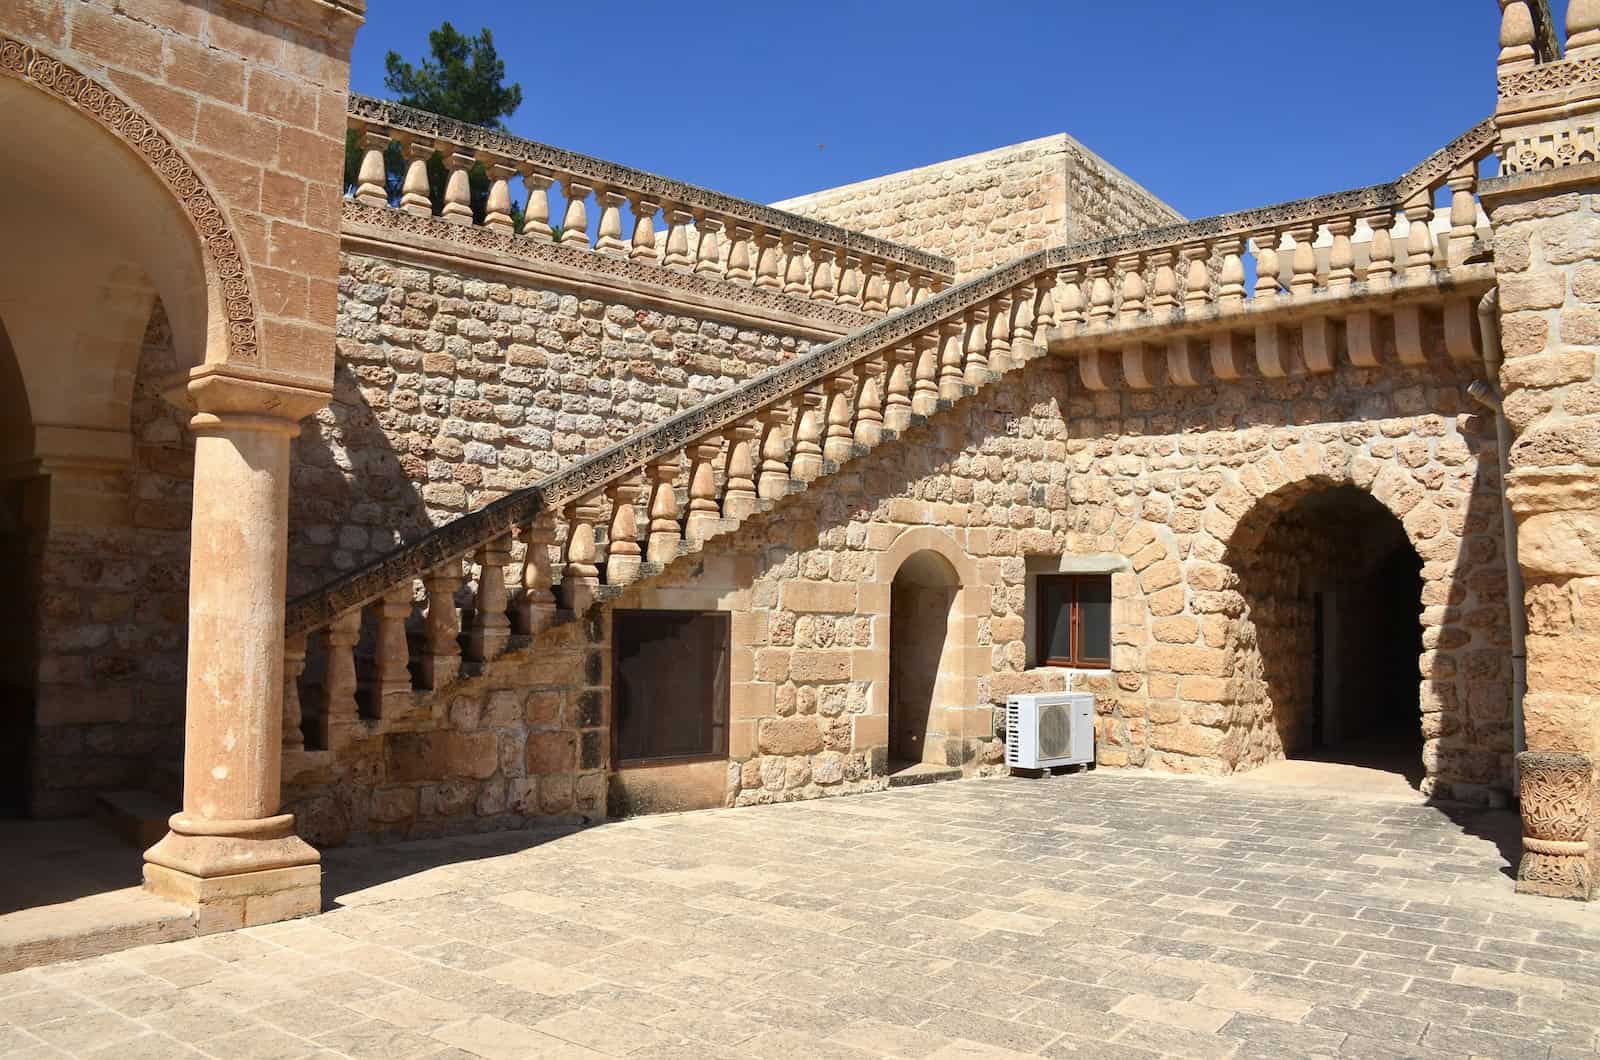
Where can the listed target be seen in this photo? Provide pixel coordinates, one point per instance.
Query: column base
(232, 880)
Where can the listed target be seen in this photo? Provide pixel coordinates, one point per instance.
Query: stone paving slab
(1098, 915)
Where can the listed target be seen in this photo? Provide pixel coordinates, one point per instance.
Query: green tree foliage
(464, 78)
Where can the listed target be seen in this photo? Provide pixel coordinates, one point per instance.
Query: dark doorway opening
(670, 686)
(1334, 589)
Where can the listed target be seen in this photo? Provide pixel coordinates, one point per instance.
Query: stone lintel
(1493, 191)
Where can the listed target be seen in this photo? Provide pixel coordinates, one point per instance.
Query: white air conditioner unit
(1050, 729)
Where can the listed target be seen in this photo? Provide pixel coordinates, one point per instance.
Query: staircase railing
(751, 446)
(700, 232)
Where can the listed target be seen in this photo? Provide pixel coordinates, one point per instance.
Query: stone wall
(452, 390)
(983, 210)
(1178, 487)
(113, 612)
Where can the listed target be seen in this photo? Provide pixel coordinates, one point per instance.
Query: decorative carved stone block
(1557, 809)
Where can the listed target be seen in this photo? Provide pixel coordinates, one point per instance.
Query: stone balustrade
(1256, 291)
(626, 512)
(669, 224)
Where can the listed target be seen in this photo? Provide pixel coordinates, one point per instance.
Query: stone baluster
(897, 410)
(773, 481)
(497, 206)
(822, 287)
(642, 247)
(414, 195)
(536, 605)
(391, 656)
(1100, 295)
(1303, 279)
(536, 213)
(457, 187)
(739, 267)
(769, 261)
(1196, 278)
(580, 579)
(974, 349)
(869, 405)
(899, 288)
(739, 491)
(1342, 256)
(950, 374)
(441, 644)
(294, 664)
(838, 441)
(794, 276)
(1164, 296)
(1230, 289)
(575, 221)
(1133, 288)
(1463, 214)
(921, 288)
(806, 463)
(875, 299)
(1266, 244)
(1583, 28)
(665, 533)
(1380, 265)
(340, 720)
(608, 237)
(929, 364)
(622, 538)
(678, 258)
(700, 520)
(490, 627)
(999, 337)
(708, 253)
(850, 280)
(1419, 243)
(372, 182)
(1516, 35)
(1045, 314)
(1022, 329)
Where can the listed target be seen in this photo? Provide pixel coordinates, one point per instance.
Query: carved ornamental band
(31, 66)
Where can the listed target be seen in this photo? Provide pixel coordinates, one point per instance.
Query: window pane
(1094, 618)
(1055, 618)
(670, 686)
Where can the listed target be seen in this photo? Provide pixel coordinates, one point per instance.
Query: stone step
(138, 818)
(909, 775)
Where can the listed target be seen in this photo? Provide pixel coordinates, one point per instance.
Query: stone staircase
(1166, 307)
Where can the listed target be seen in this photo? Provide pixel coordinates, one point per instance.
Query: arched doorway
(1332, 630)
(924, 647)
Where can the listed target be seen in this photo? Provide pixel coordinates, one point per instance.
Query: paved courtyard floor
(1098, 915)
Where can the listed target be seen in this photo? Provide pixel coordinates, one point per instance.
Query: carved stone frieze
(535, 249)
(384, 114)
(31, 66)
(1550, 77)
(1557, 814)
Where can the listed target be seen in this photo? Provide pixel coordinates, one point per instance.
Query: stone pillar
(1545, 211)
(231, 854)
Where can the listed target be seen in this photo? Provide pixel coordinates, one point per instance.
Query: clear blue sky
(1212, 106)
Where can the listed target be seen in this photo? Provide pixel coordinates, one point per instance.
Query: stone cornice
(393, 116)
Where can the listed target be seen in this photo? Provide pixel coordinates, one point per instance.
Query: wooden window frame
(720, 709)
(1043, 625)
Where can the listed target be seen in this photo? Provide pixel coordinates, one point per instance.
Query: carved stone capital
(1557, 815)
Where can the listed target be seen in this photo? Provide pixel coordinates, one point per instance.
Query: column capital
(226, 397)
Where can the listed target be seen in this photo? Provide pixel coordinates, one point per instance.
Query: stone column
(1545, 211)
(231, 854)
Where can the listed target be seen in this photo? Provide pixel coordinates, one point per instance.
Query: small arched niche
(925, 677)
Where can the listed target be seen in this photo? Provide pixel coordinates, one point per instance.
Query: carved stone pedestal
(1557, 794)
